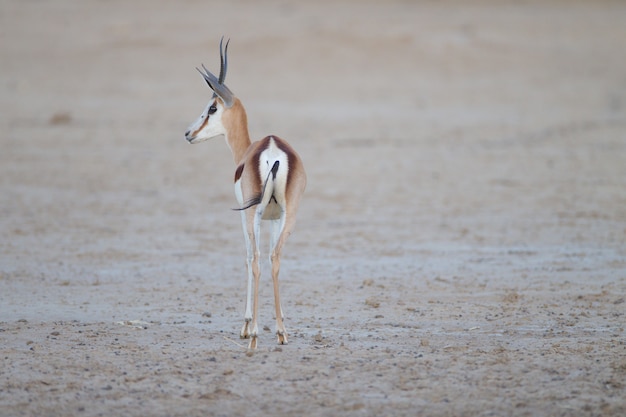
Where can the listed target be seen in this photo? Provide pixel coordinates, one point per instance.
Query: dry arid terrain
(460, 248)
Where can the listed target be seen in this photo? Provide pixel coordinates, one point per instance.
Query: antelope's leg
(245, 330)
(279, 234)
(255, 217)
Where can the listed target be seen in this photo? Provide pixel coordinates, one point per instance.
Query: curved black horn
(217, 83)
(223, 60)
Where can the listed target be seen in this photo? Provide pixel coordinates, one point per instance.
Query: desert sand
(460, 248)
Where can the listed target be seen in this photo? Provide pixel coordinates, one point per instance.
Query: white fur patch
(239, 192)
(203, 129)
(266, 161)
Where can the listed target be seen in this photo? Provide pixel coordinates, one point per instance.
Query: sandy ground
(460, 250)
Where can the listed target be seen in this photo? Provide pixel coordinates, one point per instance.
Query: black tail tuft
(274, 169)
(250, 203)
(258, 198)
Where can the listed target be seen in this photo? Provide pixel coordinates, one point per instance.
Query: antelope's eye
(212, 109)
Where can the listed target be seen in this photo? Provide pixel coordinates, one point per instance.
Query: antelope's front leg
(254, 239)
(245, 330)
(254, 327)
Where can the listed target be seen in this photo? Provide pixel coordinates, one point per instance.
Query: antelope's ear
(220, 90)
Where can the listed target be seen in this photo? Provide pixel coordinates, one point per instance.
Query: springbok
(269, 181)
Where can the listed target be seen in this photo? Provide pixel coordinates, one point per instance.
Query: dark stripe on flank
(239, 171)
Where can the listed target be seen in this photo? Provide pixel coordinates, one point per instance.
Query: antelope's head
(209, 124)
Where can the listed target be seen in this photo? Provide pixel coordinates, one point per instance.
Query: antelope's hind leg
(278, 236)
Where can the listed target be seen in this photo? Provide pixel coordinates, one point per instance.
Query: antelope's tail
(266, 193)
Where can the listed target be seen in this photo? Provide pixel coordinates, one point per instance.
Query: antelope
(269, 182)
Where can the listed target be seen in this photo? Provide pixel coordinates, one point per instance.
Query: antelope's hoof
(282, 338)
(245, 331)
(252, 344)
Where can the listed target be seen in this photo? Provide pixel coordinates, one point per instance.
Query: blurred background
(460, 248)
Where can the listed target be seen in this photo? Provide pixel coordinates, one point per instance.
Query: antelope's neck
(237, 135)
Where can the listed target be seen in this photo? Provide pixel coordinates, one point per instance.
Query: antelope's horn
(223, 61)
